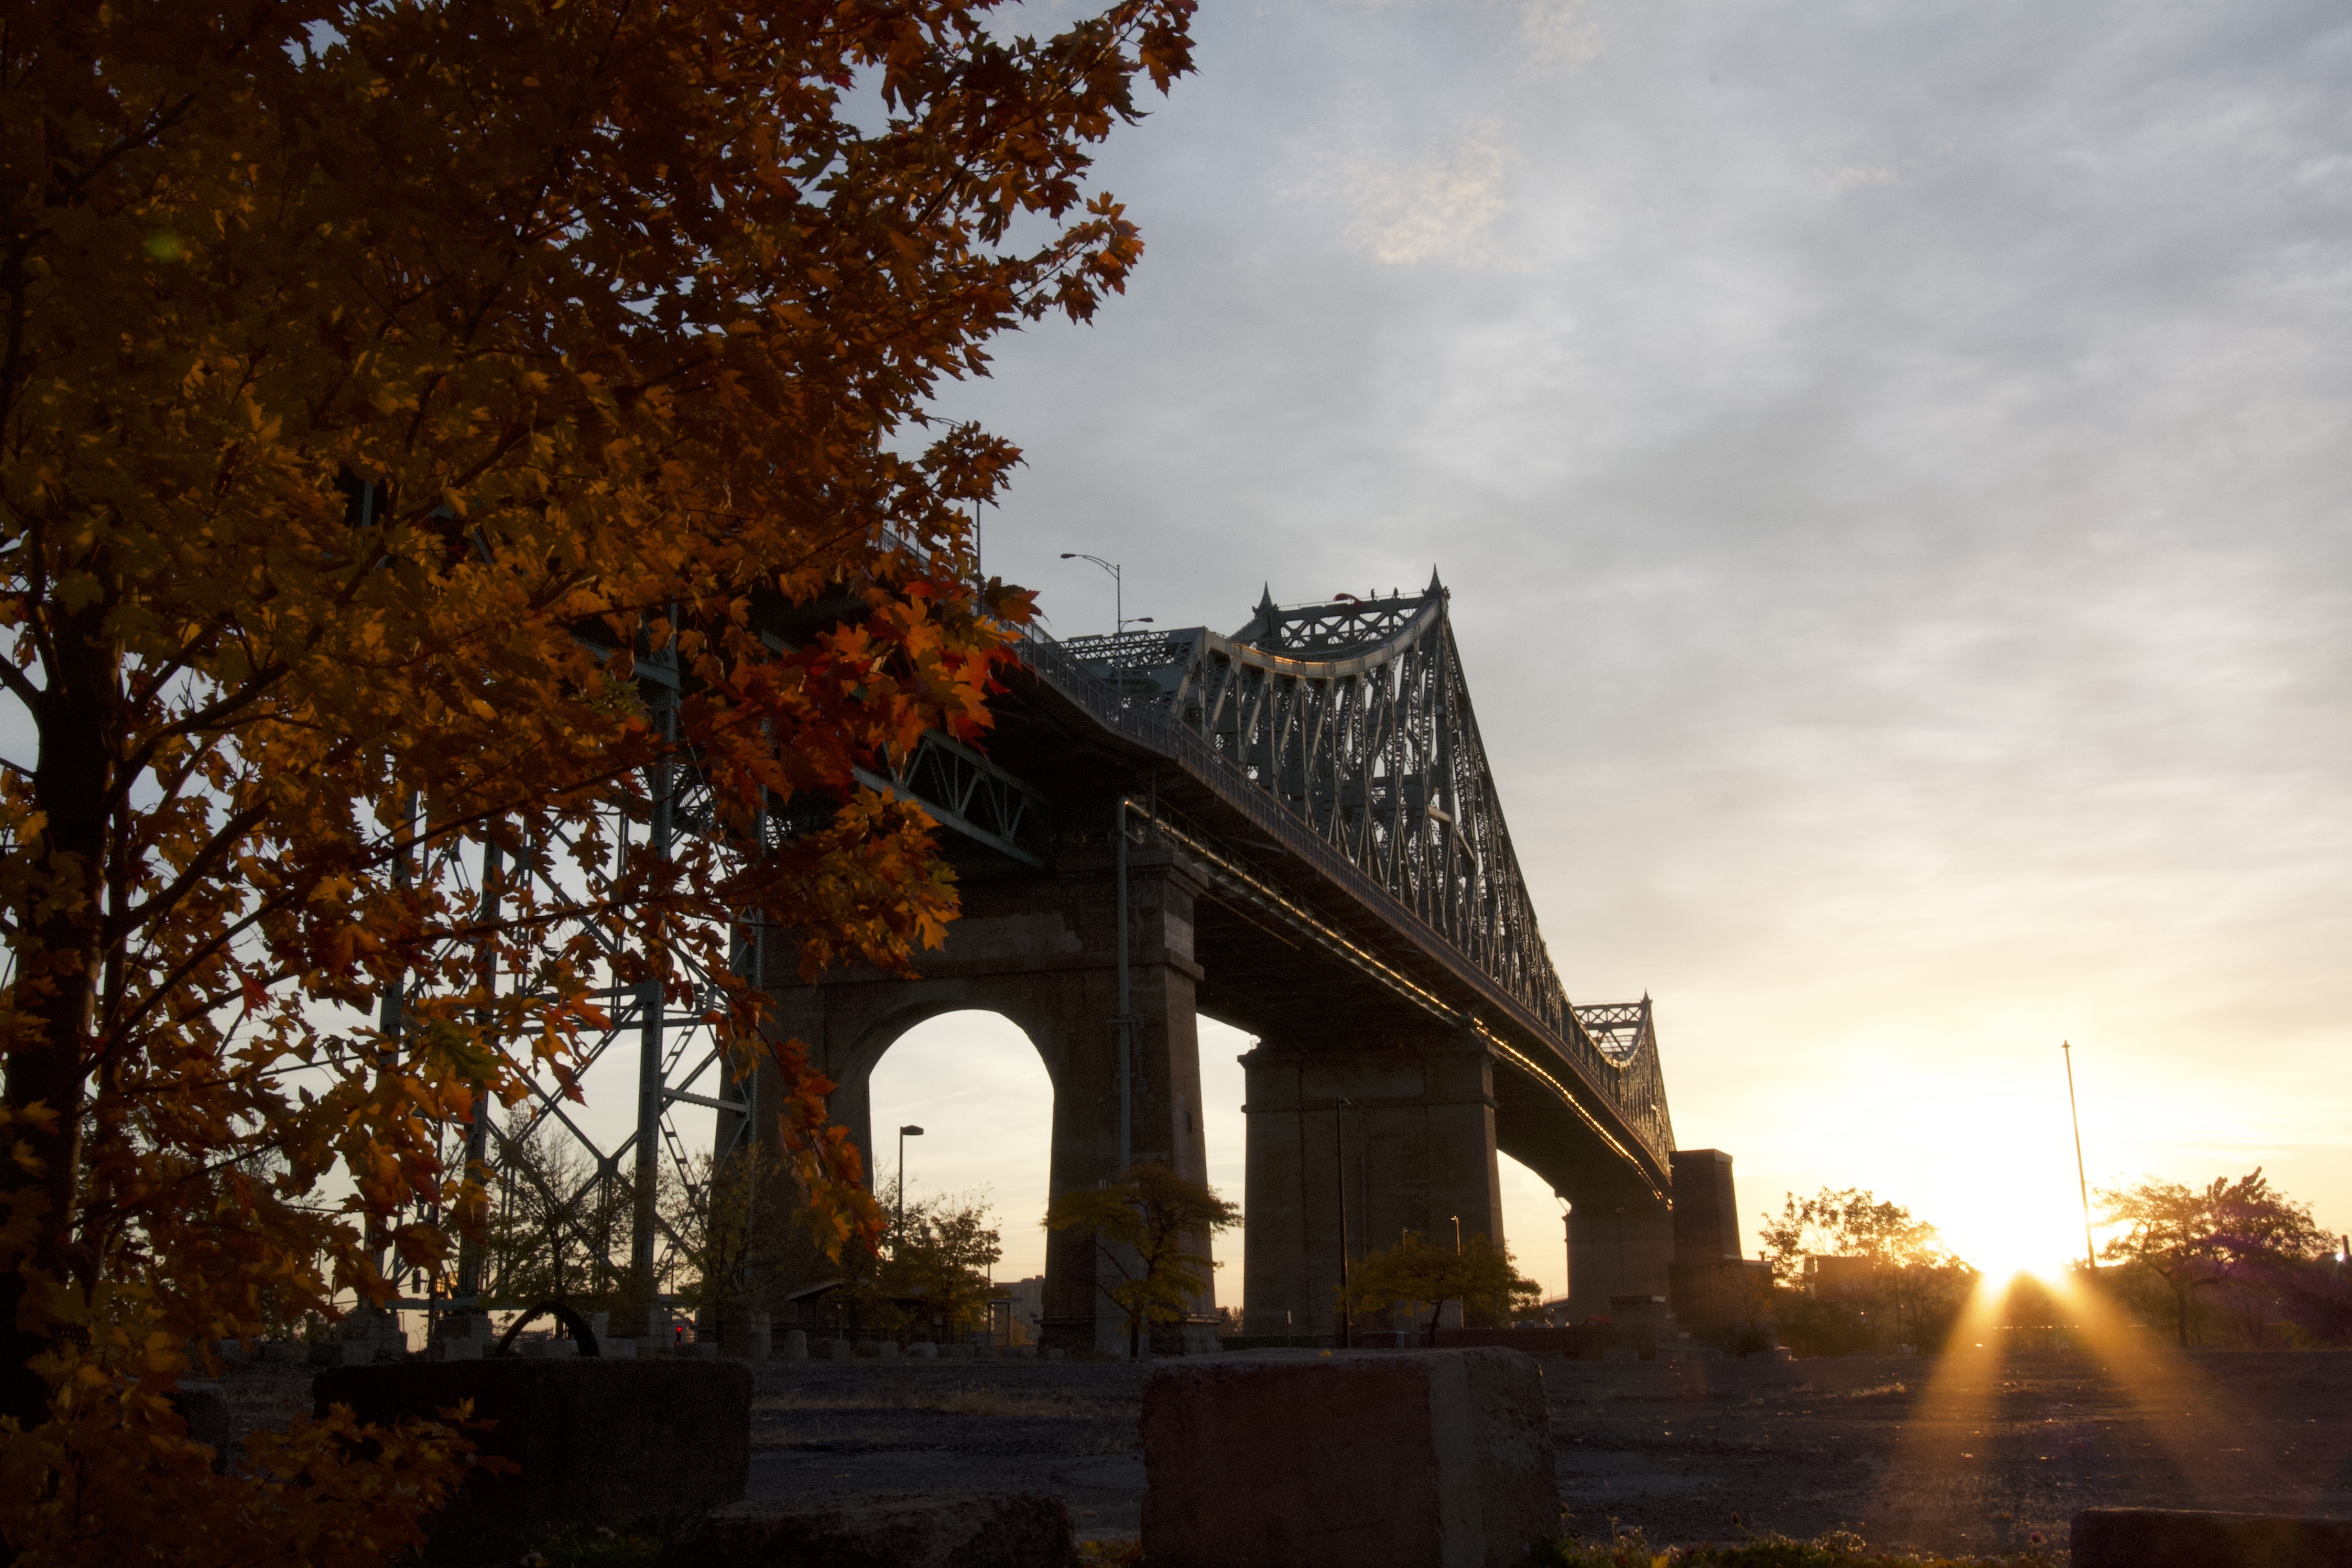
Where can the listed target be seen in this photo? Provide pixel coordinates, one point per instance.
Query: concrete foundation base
(2168, 1538)
(598, 1442)
(1024, 1530)
(1399, 1459)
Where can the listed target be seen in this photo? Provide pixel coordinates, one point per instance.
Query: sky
(1891, 466)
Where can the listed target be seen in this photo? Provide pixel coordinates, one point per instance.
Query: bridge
(1292, 829)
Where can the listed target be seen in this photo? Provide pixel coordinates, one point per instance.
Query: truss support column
(478, 1131)
(645, 1218)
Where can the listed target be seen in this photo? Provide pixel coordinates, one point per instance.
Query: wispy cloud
(1439, 207)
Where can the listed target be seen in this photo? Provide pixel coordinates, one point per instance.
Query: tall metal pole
(477, 1135)
(1339, 1171)
(1125, 1022)
(2081, 1180)
(645, 1219)
(391, 1013)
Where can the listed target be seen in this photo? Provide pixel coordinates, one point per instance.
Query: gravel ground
(1967, 1452)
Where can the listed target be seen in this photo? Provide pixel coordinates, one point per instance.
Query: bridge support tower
(1397, 1134)
(1040, 951)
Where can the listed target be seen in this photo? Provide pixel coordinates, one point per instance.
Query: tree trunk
(59, 961)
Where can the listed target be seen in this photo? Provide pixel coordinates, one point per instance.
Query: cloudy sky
(1891, 464)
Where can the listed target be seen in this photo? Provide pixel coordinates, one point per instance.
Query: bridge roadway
(1309, 847)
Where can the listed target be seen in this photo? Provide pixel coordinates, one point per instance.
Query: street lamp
(1457, 1236)
(1117, 590)
(909, 1130)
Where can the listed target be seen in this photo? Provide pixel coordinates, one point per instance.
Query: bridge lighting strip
(1259, 892)
(1307, 923)
(1573, 1104)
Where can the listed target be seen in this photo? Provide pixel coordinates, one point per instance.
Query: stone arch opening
(976, 1083)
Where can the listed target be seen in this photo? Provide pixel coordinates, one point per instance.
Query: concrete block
(886, 1350)
(282, 1353)
(869, 1350)
(617, 1443)
(2169, 1538)
(796, 1346)
(959, 1353)
(332, 1352)
(199, 1403)
(1054, 1352)
(454, 1350)
(700, 1349)
(1386, 1459)
(746, 1336)
(923, 1350)
(1024, 1530)
(835, 1349)
(549, 1349)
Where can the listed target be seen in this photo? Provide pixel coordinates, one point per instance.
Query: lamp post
(909, 1130)
(2082, 1180)
(1340, 1171)
(1120, 621)
(1457, 1236)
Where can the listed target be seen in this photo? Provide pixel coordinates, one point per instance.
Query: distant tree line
(2232, 1263)
(1895, 1282)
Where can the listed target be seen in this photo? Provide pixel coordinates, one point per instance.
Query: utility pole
(2082, 1180)
(1124, 1023)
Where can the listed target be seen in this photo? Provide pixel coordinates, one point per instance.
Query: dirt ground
(1972, 1452)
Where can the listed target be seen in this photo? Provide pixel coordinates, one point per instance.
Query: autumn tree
(2240, 1246)
(937, 1262)
(1912, 1292)
(441, 446)
(1152, 1229)
(1479, 1275)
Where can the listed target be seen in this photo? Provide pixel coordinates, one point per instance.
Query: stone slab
(599, 1442)
(2173, 1538)
(1356, 1459)
(1025, 1529)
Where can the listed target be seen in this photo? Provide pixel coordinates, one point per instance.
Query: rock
(1024, 1530)
(617, 1443)
(2169, 1538)
(923, 1350)
(200, 1405)
(1387, 1459)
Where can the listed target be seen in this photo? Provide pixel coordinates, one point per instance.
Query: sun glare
(2005, 1233)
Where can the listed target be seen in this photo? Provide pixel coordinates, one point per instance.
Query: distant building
(1842, 1279)
(1028, 1296)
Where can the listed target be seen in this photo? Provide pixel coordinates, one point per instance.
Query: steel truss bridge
(1320, 770)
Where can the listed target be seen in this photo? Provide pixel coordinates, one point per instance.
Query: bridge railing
(1628, 1086)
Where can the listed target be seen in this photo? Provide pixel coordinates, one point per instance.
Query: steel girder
(1354, 718)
